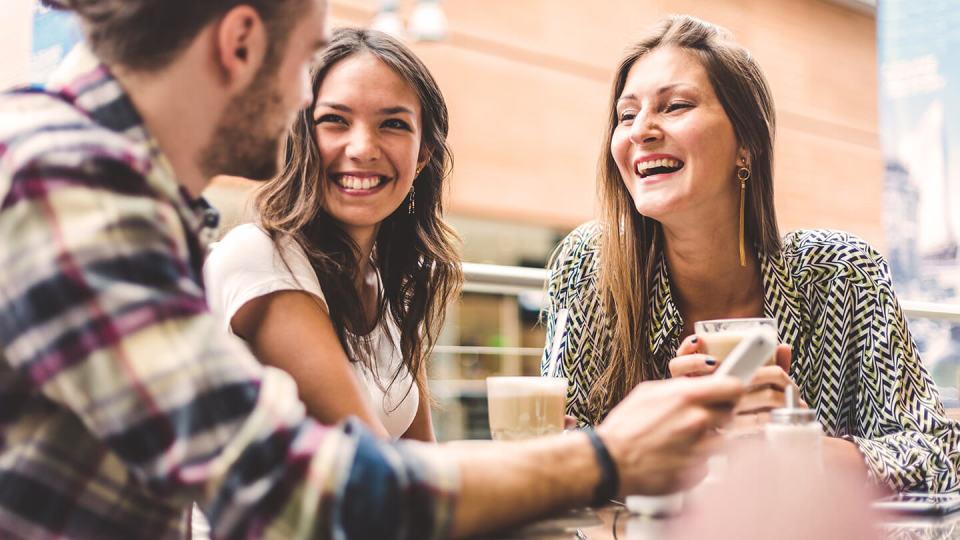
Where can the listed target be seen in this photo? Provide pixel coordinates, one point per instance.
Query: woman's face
(673, 143)
(368, 133)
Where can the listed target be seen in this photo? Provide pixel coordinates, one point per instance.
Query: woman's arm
(902, 431)
(421, 428)
(291, 330)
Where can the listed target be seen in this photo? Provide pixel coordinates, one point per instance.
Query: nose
(645, 129)
(362, 145)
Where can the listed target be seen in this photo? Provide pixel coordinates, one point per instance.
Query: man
(121, 401)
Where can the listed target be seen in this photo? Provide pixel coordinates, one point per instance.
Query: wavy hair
(416, 255)
(632, 244)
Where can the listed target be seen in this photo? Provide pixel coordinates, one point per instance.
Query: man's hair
(144, 35)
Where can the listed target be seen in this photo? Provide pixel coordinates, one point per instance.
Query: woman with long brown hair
(344, 278)
(688, 232)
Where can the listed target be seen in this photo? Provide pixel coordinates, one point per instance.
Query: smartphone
(920, 503)
(746, 358)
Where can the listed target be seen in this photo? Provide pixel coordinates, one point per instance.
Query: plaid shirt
(121, 398)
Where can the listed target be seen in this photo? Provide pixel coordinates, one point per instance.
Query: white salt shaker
(795, 433)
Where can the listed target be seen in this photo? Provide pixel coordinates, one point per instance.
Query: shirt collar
(87, 83)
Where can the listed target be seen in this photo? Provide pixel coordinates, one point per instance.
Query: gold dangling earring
(743, 173)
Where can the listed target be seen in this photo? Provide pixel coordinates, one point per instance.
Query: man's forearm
(502, 483)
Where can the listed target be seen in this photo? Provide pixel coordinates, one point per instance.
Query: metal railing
(496, 279)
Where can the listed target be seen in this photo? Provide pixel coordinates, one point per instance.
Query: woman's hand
(765, 392)
(690, 362)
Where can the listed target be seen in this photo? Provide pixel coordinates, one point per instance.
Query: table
(599, 525)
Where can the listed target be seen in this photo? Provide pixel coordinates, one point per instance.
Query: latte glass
(720, 336)
(525, 407)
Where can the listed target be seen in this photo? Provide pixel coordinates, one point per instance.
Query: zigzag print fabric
(854, 359)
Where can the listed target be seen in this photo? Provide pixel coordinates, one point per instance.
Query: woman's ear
(423, 158)
(743, 158)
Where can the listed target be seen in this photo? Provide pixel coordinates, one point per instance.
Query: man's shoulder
(43, 135)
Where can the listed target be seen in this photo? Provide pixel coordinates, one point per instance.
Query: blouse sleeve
(571, 285)
(904, 434)
(247, 264)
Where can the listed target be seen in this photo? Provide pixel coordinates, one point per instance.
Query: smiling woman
(344, 279)
(689, 233)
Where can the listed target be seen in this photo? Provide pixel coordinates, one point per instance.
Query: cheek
(620, 150)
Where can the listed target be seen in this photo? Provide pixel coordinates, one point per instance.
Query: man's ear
(241, 46)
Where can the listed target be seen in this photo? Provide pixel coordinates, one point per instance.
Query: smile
(359, 183)
(657, 166)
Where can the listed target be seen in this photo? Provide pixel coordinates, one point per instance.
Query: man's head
(256, 53)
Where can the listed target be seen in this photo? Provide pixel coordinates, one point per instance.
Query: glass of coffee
(720, 336)
(524, 407)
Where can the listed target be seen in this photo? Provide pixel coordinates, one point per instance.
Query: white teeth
(641, 168)
(356, 182)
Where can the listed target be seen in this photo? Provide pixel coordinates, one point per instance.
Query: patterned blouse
(853, 357)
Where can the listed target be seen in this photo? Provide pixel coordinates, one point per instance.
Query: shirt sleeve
(100, 312)
(248, 264)
(905, 437)
(571, 285)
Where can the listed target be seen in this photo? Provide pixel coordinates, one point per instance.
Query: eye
(627, 116)
(396, 123)
(330, 119)
(677, 105)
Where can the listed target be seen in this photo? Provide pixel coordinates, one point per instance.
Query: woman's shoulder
(250, 246)
(819, 255)
(574, 265)
(579, 248)
(248, 258)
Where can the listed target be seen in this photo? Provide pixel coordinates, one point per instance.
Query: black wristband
(609, 486)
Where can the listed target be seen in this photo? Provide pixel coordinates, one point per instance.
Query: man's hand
(661, 434)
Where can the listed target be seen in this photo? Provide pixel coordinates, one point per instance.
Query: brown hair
(415, 254)
(144, 35)
(632, 244)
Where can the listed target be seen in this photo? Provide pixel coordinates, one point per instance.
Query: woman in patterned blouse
(689, 233)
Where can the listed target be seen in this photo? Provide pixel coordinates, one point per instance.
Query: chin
(650, 210)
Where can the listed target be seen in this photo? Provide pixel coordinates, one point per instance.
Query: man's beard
(246, 140)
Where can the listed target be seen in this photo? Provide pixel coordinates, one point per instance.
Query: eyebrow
(385, 111)
(662, 90)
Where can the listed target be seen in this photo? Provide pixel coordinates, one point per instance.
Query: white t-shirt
(246, 264)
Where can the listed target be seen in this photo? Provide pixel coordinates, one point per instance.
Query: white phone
(751, 353)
